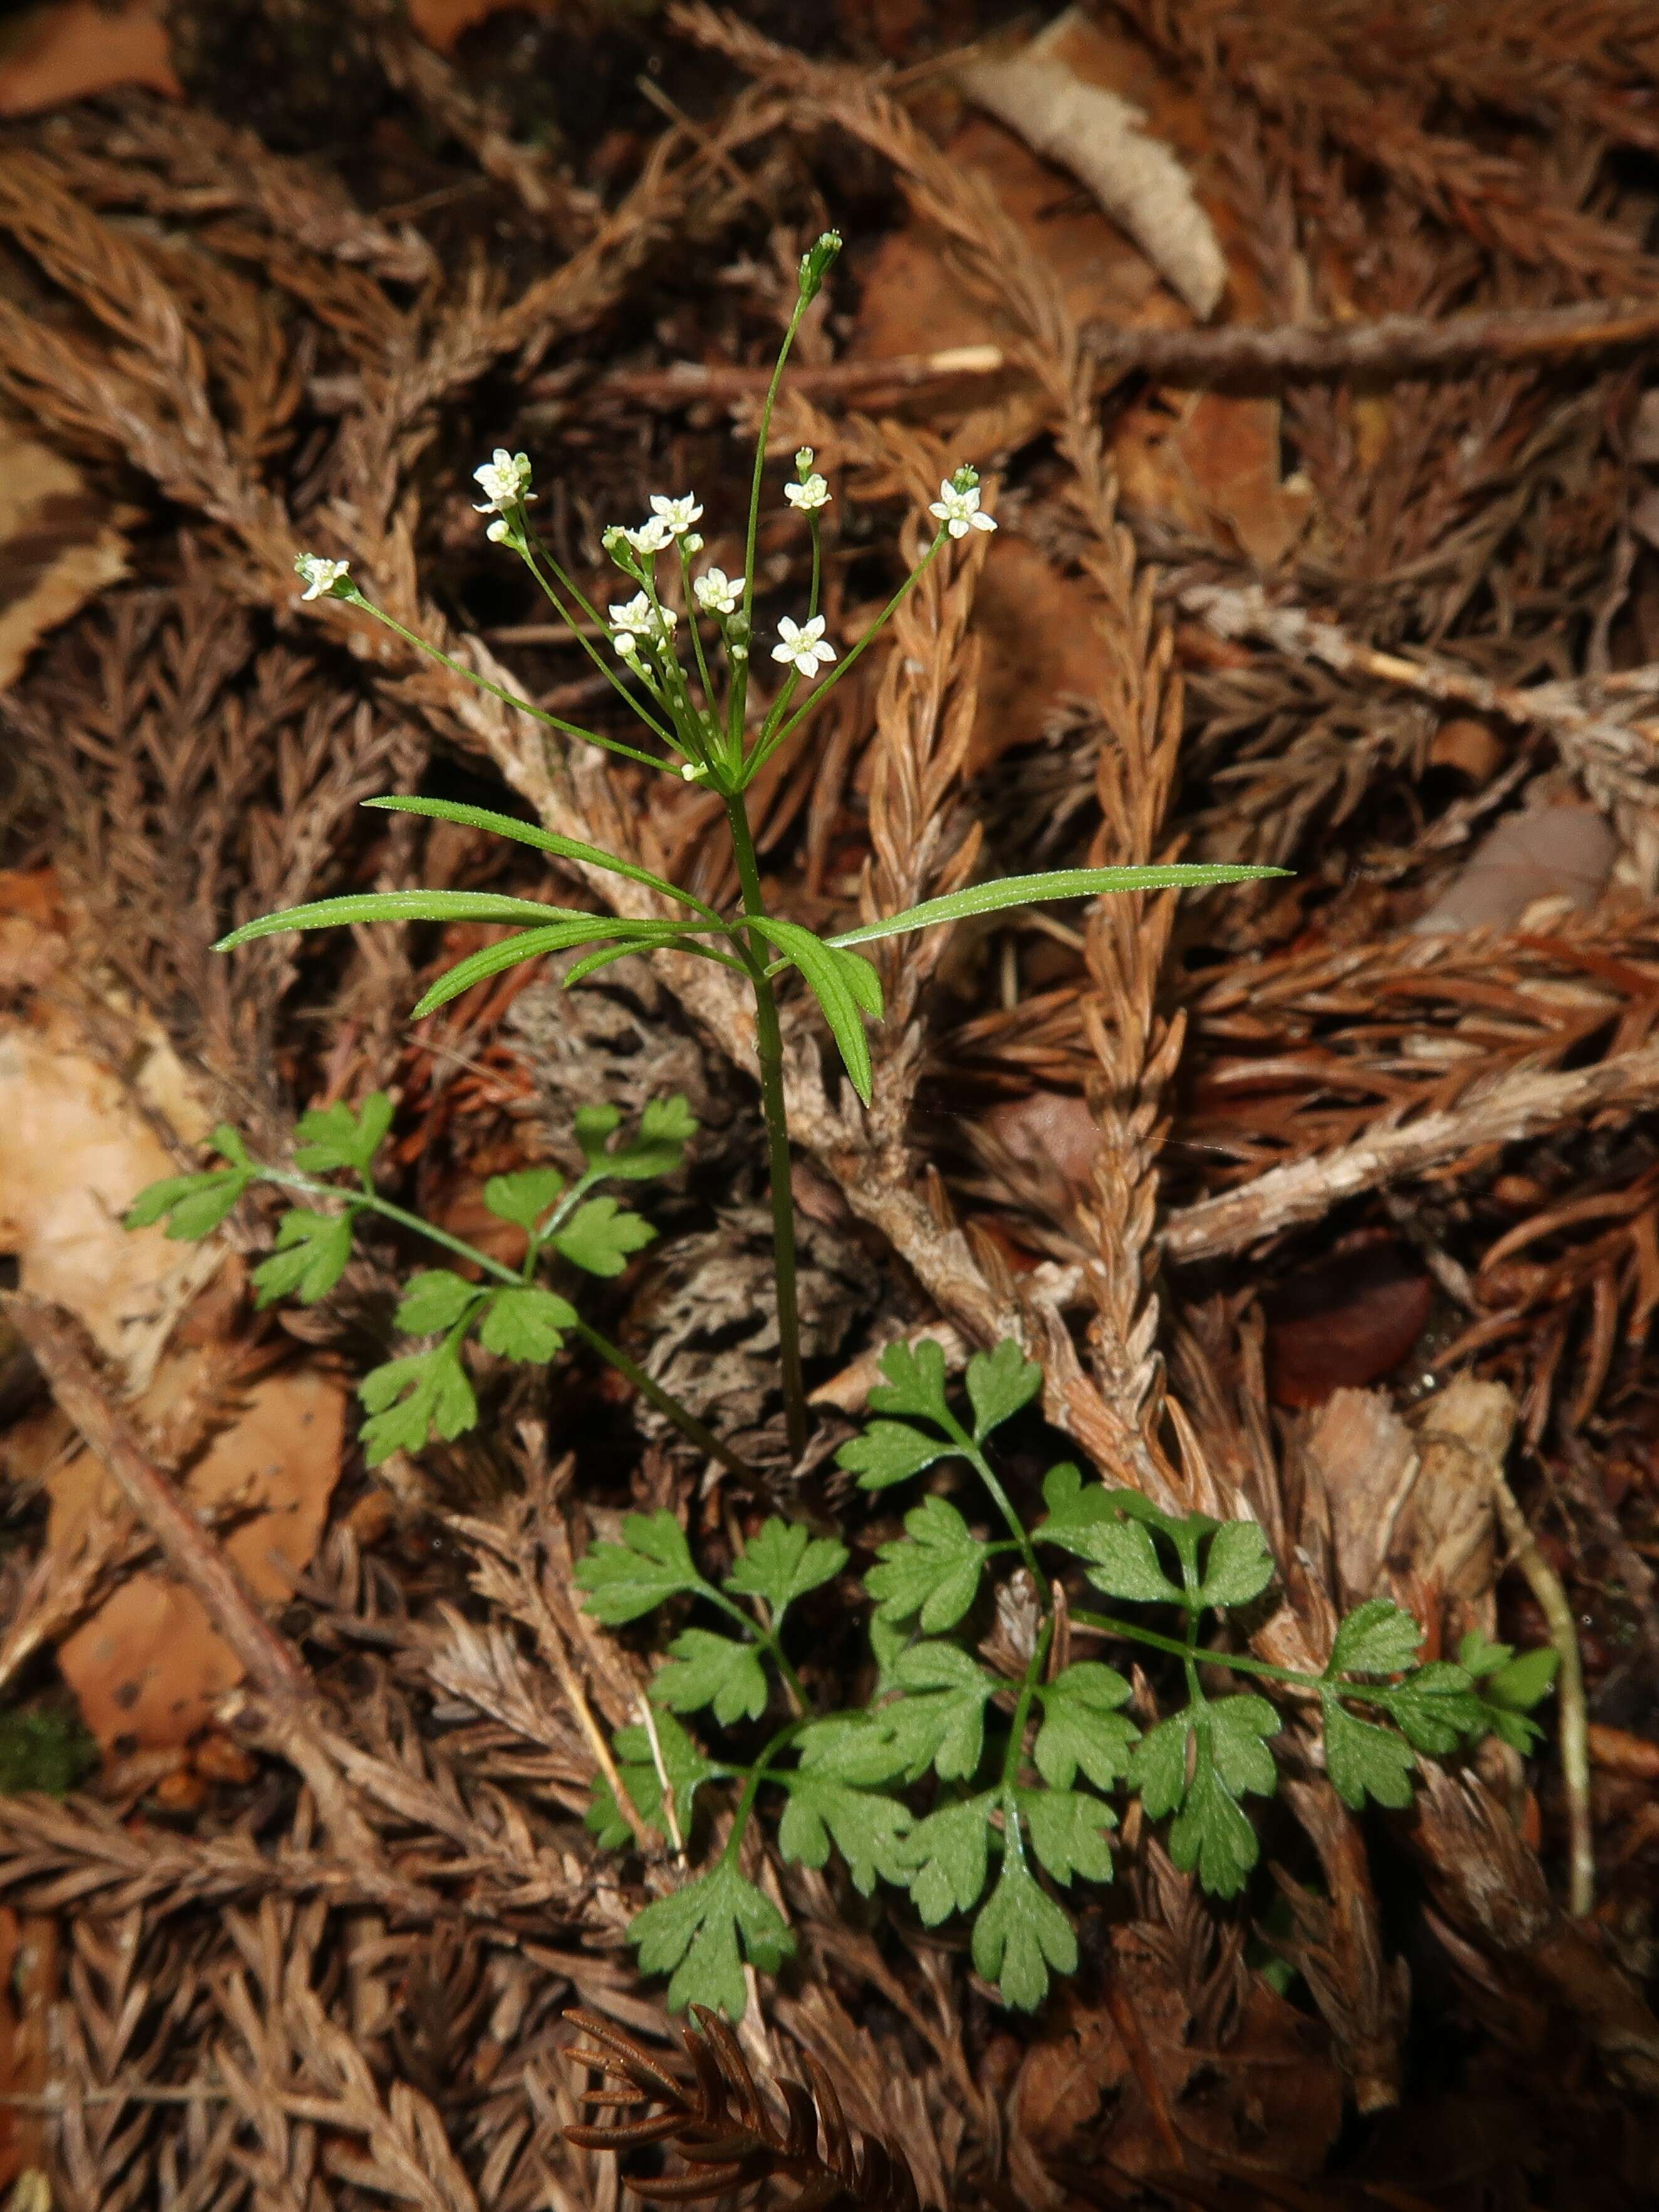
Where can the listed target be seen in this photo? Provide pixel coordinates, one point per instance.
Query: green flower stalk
(686, 673)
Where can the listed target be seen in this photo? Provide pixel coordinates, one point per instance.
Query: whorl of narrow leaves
(727, 2132)
(976, 1792)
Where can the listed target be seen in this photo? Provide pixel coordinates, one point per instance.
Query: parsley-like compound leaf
(1000, 1383)
(523, 1198)
(934, 1569)
(939, 1722)
(916, 1381)
(310, 1258)
(855, 1747)
(706, 1670)
(783, 1563)
(435, 1298)
(652, 1563)
(948, 1855)
(1238, 1566)
(890, 1452)
(409, 1398)
(1075, 1507)
(333, 1137)
(657, 1147)
(1435, 1706)
(1363, 1761)
(526, 1324)
(1082, 1727)
(1021, 1932)
(1378, 1637)
(1123, 1562)
(599, 1236)
(865, 1827)
(1067, 1828)
(195, 1205)
(1229, 1758)
(683, 1762)
(696, 1935)
(1506, 1687)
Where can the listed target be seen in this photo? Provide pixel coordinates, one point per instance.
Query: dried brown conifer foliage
(1359, 578)
(720, 2125)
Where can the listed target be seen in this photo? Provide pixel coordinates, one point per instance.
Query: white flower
(803, 647)
(959, 510)
(717, 594)
(639, 618)
(651, 536)
(808, 496)
(498, 532)
(320, 576)
(504, 480)
(627, 645)
(675, 515)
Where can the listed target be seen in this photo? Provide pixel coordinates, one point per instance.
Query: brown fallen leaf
(76, 1147)
(78, 49)
(1344, 1320)
(444, 23)
(1037, 626)
(1561, 853)
(58, 544)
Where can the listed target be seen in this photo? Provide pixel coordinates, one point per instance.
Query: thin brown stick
(62, 1353)
(1524, 1106)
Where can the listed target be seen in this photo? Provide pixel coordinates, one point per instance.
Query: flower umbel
(675, 515)
(804, 646)
(717, 593)
(322, 579)
(957, 505)
(504, 480)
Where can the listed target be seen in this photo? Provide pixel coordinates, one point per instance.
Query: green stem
(757, 1774)
(740, 676)
(600, 660)
(495, 690)
(1239, 1663)
(767, 1638)
(1034, 1667)
(982, 1467)
(696, 637)
(683, 1420)
(768, 1052)
(764, 750)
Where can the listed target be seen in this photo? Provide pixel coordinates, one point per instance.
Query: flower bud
(815, 263)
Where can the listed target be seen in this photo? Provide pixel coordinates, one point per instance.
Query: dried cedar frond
(722, 2126)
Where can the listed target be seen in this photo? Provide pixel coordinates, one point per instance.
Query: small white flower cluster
(320, 576)
(811, 493)
(957, 505)
(638, 618)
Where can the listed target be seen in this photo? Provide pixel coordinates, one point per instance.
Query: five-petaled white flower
(808, 496)
(504, 480)
(319, 576)
(803, 645)
(651, 536)
(958, 510)
(675, 515)
(717, 593)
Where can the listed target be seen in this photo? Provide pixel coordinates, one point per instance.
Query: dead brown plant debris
(1358, 578)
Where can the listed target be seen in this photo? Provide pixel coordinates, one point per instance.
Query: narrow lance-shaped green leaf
(545, 840)
(846, 993)
(1056, 884)
(356, 907)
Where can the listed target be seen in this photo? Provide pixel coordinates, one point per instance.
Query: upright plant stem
(768, 1051)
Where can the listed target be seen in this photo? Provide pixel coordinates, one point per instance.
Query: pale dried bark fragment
(1102, 140)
